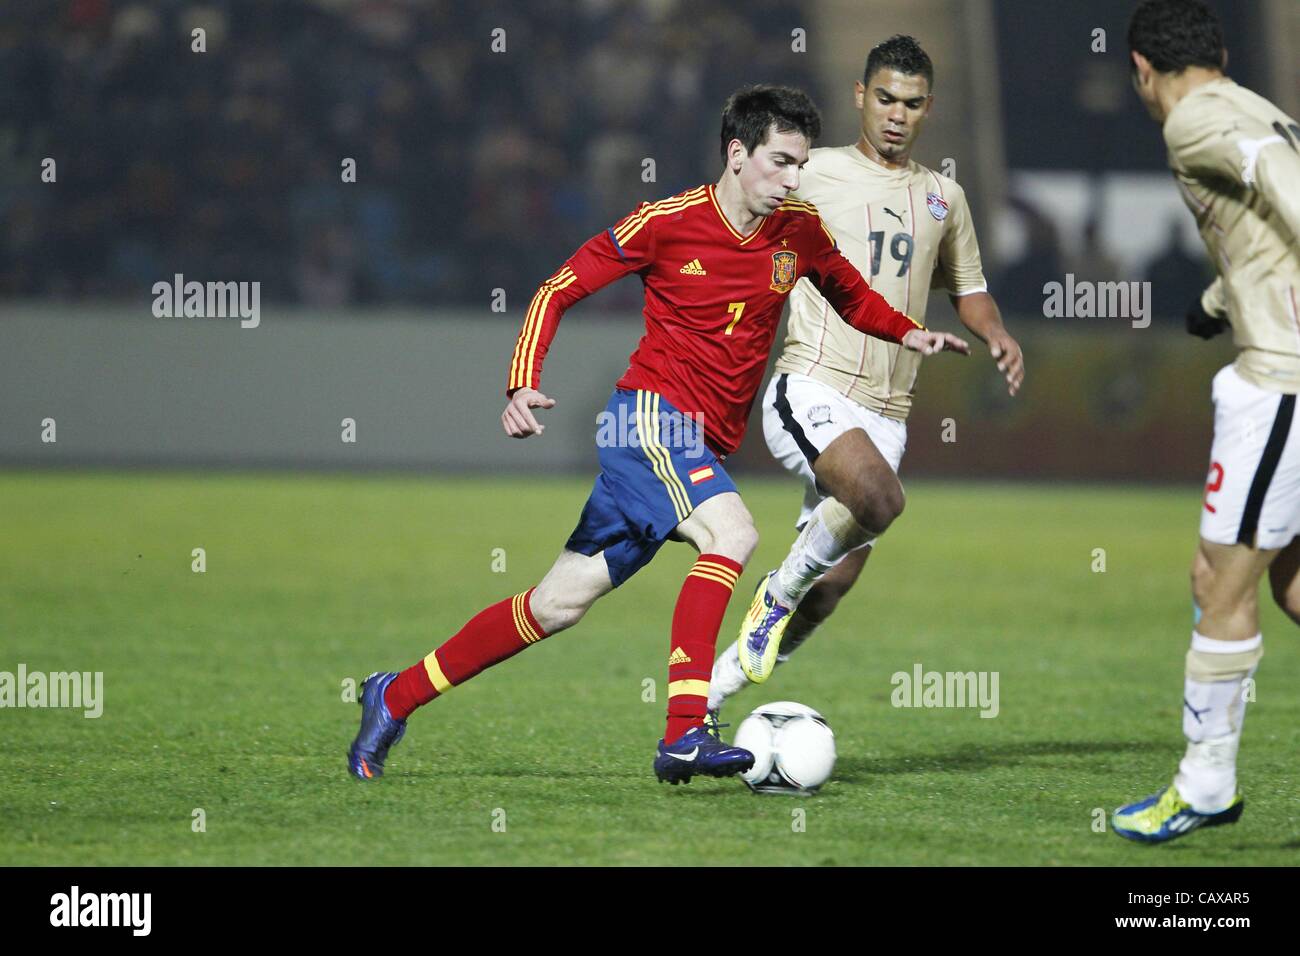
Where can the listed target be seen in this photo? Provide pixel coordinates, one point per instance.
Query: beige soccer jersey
(1235, 157)
(905, 229)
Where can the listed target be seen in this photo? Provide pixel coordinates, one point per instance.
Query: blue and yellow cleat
(1166, 815)
(760, 633)
(379, 730)
(698, 751)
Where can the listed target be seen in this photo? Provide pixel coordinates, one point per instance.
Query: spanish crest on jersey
(783, 271)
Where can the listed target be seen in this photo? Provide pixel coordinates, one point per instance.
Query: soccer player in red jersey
(717, 263)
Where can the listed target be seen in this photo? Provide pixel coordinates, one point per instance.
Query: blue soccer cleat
(1166, 815)
(379, 730)
(698, 751)
(760, 633)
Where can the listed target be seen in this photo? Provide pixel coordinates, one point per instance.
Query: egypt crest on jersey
(938, 208)
(783, 272)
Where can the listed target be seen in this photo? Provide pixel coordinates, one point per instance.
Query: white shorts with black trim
(801, 416)
(1252, 493)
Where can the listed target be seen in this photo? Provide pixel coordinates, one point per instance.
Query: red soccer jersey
(713, 301)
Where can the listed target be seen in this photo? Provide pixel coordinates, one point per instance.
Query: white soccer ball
(793, 748)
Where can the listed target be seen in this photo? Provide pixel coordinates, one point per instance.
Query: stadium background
(480, 171)
(394, 300)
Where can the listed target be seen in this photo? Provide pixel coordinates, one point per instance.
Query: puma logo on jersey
(1250, 149)
(693, 268)
(896, 216)
(678, 656)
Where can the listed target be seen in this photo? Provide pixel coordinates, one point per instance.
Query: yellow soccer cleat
(760, 633)
(1166, 815)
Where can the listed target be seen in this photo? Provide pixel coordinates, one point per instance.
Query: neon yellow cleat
(1166, 815)
(760, 633)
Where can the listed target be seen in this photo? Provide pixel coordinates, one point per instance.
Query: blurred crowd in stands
(490, 138)
(477, 167)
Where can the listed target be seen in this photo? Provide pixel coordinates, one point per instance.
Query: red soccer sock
(492, 635)
(696, 619)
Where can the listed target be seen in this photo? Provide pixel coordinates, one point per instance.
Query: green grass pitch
(223, 689)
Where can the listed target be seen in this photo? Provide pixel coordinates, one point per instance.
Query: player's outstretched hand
(928, 343)
(1011, 361)
(518, 419)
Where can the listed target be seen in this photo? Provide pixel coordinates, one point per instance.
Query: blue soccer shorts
(655, 469)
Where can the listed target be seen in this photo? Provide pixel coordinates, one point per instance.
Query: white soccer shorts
(1252, 493)
(801, 416)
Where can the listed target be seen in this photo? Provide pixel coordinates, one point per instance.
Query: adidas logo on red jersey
(693, 268)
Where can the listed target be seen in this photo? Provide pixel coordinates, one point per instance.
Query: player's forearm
(862, 306)
(856, 302)
(979, 313)
(876, 317)
(540, 323)
(593, 266)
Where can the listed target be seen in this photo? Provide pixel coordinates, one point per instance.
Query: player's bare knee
(876, 508)
(738, 543)
(894, 501)
(554, 612)
(862, 508)
(559, 619)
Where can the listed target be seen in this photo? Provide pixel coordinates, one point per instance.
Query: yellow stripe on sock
(436, 676)
(526, 630)
(727, 583)
(519, 623)
(695, 688)
(722, 569)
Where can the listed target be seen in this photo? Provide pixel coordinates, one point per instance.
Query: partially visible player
(717, 263)
(1234, 155)
(835, 412)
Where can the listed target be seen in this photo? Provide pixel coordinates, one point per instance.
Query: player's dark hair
(752, 111)
(901, 53)
(1176, 34)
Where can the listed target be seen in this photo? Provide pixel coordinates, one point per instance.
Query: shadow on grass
(848, 768)
(972, 758)
(1290, 844)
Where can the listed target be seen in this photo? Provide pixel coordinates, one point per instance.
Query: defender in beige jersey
(906, 229)
(835, 411)
(1234, 155)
